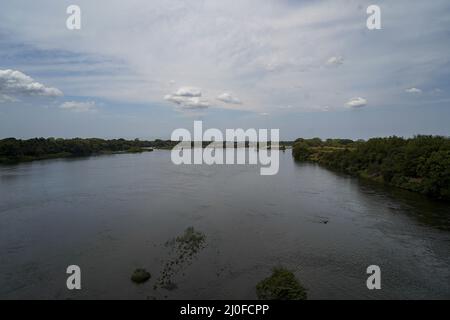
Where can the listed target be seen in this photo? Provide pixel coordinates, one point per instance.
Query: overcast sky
(144, 68)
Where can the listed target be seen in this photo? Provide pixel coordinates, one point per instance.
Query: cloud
(335, 61)
(264, 114)
(188, 92)
(414, 90)
(188, 98)
(196, 103)
(5, 98)
(218, 44)
(228, 98)
(89, 106)
(14, 82)
(357, 102)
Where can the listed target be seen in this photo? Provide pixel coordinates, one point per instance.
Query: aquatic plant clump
(184, 249)
(190, 241)
(140, 276)
(281, 285)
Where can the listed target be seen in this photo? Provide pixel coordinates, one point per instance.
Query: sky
(141, 69)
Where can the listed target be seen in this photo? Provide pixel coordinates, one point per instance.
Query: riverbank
(420, 164)
(15, 150)
(62, 155)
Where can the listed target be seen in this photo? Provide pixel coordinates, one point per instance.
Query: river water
(113, 214)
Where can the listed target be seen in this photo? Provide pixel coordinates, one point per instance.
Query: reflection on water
(113, 214)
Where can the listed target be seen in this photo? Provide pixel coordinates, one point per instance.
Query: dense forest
(14, 150)
(420, 164)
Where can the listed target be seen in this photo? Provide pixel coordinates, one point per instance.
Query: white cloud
(335, 61)
(175, 99)
(188, 92)
(188, 98)
(264, 114)
(13, 82)
(357, 102)
(196, 103)
(227, 97)
(414, 90)
(75, 106)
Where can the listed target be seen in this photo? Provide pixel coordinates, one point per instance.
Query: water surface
(113, 214)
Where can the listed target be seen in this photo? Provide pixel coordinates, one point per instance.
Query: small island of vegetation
(420, 164)
(281, 285)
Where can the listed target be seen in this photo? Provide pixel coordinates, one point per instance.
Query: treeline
(15, 150)
(420, 164)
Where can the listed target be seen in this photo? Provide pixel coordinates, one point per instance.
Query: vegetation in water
(420, 164)
(183, 250)
(140, 276)
(281, 285)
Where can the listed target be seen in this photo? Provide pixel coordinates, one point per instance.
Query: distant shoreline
(420, 164)
(13, 151)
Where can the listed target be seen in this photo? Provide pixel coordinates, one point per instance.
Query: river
(113, 214)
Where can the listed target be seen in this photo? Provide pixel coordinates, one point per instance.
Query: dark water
(112, 214)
